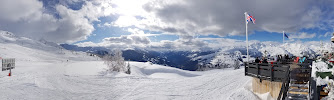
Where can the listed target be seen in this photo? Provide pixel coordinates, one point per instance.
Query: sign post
(8, 64)
(10, 70)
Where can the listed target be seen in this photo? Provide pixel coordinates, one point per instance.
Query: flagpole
(246, 36)
(283, 37)
(283, 42)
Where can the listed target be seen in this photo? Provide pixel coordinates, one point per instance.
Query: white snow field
(45, 72)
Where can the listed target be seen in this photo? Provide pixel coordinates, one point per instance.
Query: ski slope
(87, 80)
(45, 72)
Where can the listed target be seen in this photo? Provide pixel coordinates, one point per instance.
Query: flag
(250, 18)
(286, 35)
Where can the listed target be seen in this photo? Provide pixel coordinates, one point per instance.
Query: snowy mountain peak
(6, 36)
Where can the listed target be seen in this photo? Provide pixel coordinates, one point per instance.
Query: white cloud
(128, 39)
(106, 24)
(138, 32)
(129, 7)
(28, 18)
(184, 18)
(122, 42)
(327, 34)
(222, 17)
(137, 38)
(302, 35)
(191, 44)
(19, 10)
(190, 18)
(126, 21)
(72, 26)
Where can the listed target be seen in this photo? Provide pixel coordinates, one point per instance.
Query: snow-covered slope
(25, 49)
(46, 72)
(86, 80)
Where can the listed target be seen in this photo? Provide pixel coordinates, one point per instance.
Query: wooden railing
(271, 72)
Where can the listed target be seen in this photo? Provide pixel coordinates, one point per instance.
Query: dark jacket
(257, 60)
(264, 61)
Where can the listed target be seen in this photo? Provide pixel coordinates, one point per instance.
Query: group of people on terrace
(277, 58)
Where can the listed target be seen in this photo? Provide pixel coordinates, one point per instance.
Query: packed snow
(45, 71)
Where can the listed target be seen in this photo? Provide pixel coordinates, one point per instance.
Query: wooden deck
(267, 77)
(290, 78)
(293, 66)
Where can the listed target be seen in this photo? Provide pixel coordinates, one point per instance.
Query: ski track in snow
(45, 72)
(53, 81)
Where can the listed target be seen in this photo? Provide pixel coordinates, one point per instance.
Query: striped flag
(250, 18)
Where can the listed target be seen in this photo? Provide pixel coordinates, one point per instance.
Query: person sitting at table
(265, 61)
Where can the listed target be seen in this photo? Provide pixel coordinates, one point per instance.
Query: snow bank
(158, 71)
(84, 68)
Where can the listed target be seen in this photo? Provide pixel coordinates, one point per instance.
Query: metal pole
(283, 42)
(246, 36)
(283, 37)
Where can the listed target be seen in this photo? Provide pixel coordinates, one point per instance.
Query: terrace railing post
(271, 73)
(288, 82)
(281, 92)
(258, 70)
(285, 85)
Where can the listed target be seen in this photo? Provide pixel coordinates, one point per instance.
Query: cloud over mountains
(70, 21)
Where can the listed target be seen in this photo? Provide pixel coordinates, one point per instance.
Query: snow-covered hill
(44, 71)
(227, 55)
(25, 49)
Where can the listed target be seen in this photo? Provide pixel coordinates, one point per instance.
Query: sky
(167, 24)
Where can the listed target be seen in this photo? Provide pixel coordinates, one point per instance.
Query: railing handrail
(272, 72)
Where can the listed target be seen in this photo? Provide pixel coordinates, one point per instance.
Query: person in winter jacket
(257, 60)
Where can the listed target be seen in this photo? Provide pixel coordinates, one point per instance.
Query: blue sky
(255, 35)
(166, 24)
